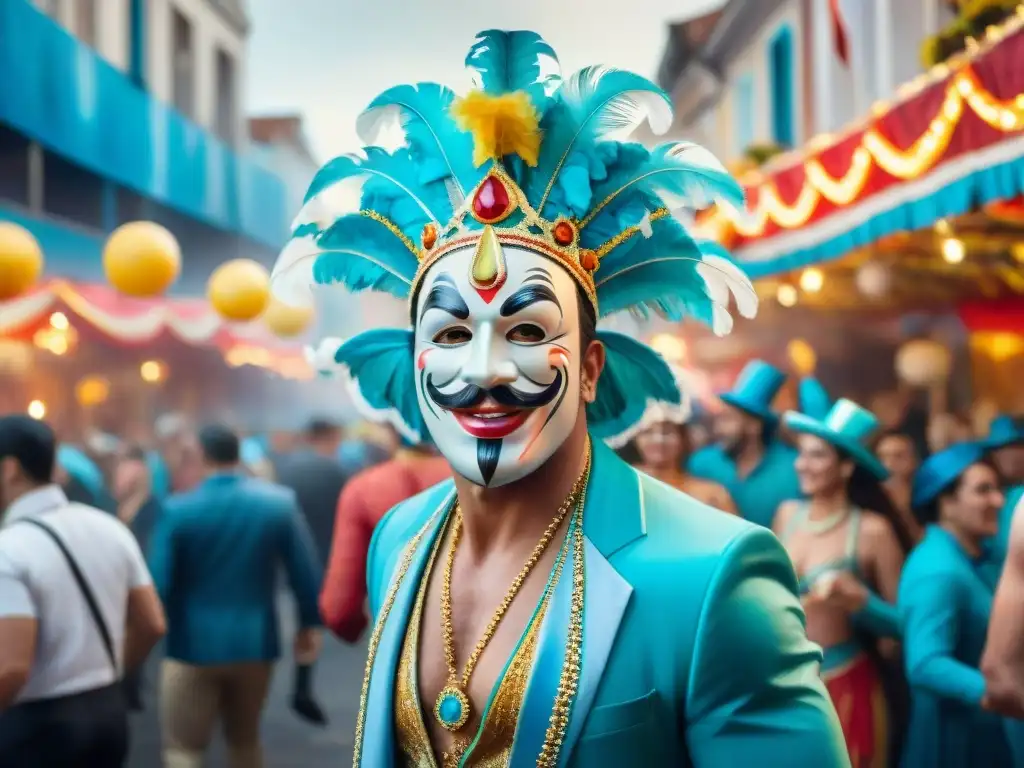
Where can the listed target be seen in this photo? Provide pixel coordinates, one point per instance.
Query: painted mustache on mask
(472, 395)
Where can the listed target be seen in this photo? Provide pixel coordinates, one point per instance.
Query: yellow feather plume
(502, 125)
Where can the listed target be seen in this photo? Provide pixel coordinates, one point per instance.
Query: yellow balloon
(21, 260)
(141, 259)
(285, 320)
(239, 290)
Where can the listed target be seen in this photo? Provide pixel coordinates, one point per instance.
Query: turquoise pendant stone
(452, 708)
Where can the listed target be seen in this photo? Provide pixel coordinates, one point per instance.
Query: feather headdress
(659, 411)
(529, 159)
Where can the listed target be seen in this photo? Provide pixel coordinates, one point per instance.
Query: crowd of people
(109, 546)
(898, 552)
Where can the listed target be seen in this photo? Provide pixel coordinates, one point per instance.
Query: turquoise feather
(438, 148)
(589, 106)
(662, 274)
(679, 173)
(504, 62)
(363, 254)
(381, 363)
(633, 373)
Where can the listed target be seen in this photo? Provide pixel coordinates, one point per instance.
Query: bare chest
(477, 590)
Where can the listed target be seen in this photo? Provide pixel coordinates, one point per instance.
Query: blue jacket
(759, 494)
(945, 601)
(215, 557)
(694, 646)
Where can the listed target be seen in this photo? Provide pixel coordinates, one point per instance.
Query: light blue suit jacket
(694, 650)
(945, 601)
(216, 555)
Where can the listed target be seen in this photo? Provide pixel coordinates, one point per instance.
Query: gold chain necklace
(452, 709)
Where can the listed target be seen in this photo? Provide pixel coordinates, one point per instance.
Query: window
(183, 65)
(225, 95)
(85, 21)
(782, 82)
(743, 113)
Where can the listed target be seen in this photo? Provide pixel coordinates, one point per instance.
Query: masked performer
(514, 605)
(661, 441)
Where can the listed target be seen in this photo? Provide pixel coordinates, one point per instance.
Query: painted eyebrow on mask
(537, 287)
(445, 296)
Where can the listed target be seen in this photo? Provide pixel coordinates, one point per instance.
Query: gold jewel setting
(453, 707)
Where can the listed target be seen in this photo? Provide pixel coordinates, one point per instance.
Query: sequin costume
(525, 169)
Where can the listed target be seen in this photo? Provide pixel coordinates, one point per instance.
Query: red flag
(840, 31)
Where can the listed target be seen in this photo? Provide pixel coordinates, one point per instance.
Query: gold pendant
(452, 708)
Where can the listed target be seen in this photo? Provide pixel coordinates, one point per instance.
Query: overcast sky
(327, 59)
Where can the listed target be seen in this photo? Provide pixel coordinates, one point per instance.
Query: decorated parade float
(911, 217)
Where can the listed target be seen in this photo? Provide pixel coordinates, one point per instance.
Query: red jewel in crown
(491, 201)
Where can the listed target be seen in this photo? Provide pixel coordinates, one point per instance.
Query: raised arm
(755, 695)
(929, 604)
(1003, 662)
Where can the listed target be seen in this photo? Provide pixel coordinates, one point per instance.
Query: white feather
(379, 415)
(291, 279)
(626, 112)
(321, 357)
(658, 412)
(719, 271)
(333, 202)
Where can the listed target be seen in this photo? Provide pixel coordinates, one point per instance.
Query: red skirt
(859, 698)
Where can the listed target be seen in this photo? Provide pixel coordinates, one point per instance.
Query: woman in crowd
(845, 547)
(662, 446)
(945, 601)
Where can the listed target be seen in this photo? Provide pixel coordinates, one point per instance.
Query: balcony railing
(62, 94)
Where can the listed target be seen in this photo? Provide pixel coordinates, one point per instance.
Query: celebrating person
(216, 556)
(77, 610)
(662, 442)
(945, 604)
(846, 552)
(514, 605)
(748, 459)
(897, 451)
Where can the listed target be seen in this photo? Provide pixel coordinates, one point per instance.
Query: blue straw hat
(813, 400)
(1004, 430)
(942, 469)
(848, 427)
(755, 389)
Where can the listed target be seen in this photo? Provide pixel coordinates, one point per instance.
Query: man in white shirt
(77, 608)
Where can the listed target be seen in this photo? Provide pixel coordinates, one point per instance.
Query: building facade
(770, 73)
(119, 110)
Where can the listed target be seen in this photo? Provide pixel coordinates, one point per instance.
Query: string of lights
(964, 90)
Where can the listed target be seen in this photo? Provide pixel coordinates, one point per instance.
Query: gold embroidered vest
(491, 746)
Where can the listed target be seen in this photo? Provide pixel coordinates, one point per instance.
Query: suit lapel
(378, 748)
(612, 518)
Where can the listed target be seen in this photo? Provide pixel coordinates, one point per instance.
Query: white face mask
(498, 371)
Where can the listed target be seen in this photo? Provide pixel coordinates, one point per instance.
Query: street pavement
(288, 741)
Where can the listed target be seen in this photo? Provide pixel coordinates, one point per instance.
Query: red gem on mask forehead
(491, 201)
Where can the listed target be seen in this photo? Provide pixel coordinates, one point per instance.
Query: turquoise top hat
(1004, 430)
(813, 399)
(942, 469)
(846, 426)
(755, 389)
